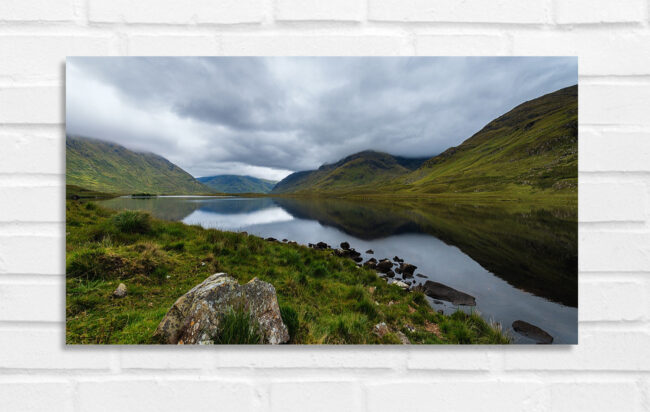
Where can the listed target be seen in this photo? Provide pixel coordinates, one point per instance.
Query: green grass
(323, 298)
(238, 327)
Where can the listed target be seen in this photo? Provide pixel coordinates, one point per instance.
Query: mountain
(533, 147)
(108, 167)
(360, 169)
(237, 184)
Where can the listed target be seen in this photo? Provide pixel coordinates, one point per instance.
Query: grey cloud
(271, 116)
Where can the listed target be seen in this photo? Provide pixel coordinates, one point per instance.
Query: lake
(519, 261)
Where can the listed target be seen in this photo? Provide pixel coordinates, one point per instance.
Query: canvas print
(321, 200)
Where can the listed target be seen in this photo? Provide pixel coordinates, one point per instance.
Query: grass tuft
(238, 327)
(132, 222)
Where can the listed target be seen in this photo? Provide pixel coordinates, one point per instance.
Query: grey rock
(345, 245)
(401, 284)
(384, 265)
(408, 269)
(531, 331)
(403, 339)
(121, 291)
(195, 317)
(443, 292)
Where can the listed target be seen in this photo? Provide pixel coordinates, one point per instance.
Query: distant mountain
(533, 147)
(360, 169)
(237, 184)
(108, 167)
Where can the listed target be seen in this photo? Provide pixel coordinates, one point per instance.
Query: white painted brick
(315, 396)
(179, 45)
(613, 251)
(166, 357)
(315, 45)
(598, 350)
(346, 10)
(456, 395)
(36, 10)
(36, 396)
(165, 395)
(599, 11)
(614, 151)
(600, 52)
(32, 255)
(591, 396)
(612, 301)
(173, 12)
(451, 358)
(461, 45)
(470, 11)
(606, 371)
(618, 104)
(45, 349)
(31, 105)
(310, 357)
(26, 204)
(610, 202)
(39, 57)
(31, 152)
(32, 302)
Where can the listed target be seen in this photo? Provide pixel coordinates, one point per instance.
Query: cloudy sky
(268, 117)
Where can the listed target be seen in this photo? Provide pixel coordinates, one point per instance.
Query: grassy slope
(237, 184)
(532, 148)
(108, 167)
(333, 299)
(529, 153)
(359, 169)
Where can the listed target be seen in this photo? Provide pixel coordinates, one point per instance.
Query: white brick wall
(610, 368)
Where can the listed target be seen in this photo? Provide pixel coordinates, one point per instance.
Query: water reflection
(519, 261)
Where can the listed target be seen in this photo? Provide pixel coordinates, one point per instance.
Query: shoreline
(337, 301)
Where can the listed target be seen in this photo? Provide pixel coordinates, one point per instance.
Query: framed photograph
(321, 200)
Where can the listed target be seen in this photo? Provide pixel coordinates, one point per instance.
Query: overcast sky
(268, 117)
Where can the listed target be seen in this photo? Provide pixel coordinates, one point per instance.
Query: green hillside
(237, 184)
(360, 169)
(530, 151)
(532, 148)
(108, 167)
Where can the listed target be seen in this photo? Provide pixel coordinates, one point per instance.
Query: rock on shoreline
(443, 292)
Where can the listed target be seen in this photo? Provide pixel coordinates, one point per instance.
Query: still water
(519, 262)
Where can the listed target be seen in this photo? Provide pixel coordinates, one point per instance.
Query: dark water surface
(519, 262)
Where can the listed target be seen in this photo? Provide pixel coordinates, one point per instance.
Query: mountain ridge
(530, 149)
(109, 167)
(237, 183)
(355, 170)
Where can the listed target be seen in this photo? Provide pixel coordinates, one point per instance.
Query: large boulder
(195, 317)
(443, 292)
